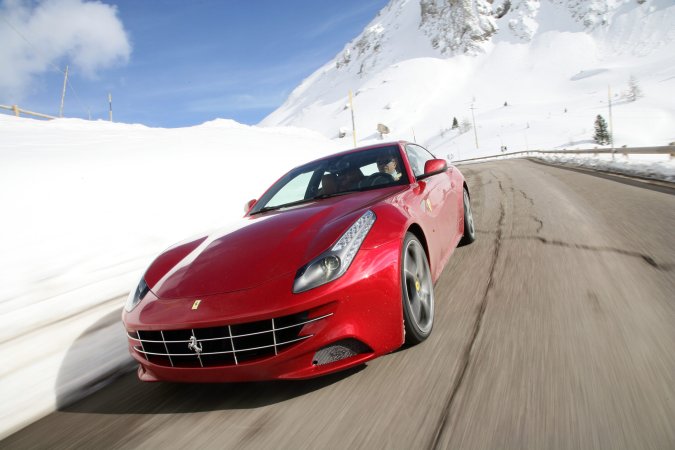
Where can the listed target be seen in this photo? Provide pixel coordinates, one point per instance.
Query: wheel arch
(419, 234)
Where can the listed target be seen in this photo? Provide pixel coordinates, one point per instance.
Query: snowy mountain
(535, 72)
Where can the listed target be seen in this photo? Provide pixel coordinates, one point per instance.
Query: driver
(388, 164)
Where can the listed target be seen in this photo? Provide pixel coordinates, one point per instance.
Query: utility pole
(475, 133)
(110, 105)
(351, 107)
(63, 93)
(611, 126)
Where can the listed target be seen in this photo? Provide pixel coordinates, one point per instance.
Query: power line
(79, 101)
(37, 50)
(54, 66)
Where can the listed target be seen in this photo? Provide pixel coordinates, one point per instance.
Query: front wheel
(418, 291)
(469, 230)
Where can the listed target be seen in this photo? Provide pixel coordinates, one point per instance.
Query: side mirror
(249, 204)
(434, 166)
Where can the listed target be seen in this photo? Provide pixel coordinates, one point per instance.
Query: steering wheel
(378, 178)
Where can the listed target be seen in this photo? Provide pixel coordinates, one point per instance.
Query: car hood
(257, 248)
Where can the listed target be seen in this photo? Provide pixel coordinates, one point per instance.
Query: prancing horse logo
(194, 345)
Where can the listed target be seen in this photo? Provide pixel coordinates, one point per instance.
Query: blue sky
(189, 61)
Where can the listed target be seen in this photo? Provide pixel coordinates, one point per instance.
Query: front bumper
(363, 305)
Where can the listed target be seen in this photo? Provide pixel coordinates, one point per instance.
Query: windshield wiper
(284, 205)
(265, 209)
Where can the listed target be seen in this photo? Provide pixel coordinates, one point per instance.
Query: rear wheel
(418, 291)
(469, 230)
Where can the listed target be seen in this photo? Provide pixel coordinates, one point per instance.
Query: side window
(417, 156)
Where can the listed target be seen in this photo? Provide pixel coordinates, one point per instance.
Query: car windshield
(368, 169)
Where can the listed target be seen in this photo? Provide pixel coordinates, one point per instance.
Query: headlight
(136, 296)
(334, 263)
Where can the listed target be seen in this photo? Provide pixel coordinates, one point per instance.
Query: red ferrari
(333, 266)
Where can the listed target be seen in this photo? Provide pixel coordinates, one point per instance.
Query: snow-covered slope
(537, 73)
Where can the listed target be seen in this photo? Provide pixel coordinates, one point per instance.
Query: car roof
(359, 149)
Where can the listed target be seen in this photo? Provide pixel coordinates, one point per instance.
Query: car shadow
(119, 391)
(97, 357)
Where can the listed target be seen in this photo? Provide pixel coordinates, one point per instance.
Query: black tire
(469, 229)
(417, 291)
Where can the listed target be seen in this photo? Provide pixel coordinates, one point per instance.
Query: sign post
(351, 107)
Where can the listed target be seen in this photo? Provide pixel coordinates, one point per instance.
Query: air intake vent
(339, 350)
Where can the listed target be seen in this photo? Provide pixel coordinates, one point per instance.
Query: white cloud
(35, 36)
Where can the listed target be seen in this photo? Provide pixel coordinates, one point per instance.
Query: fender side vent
(339, 350)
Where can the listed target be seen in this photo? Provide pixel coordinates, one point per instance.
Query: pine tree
(455, 124)
(601, 135)
(465, 126)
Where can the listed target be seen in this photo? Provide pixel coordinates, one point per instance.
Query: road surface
(555, 329)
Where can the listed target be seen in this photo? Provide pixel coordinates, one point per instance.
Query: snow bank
(86, 207)
(656, 167)
(659, 167)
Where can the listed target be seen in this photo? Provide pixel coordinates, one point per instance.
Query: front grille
(223, 345)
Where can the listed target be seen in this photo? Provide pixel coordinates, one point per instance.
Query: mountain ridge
(526, 44)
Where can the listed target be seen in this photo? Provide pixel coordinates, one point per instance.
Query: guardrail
(625, 151)
(658, 167)
(18, 111)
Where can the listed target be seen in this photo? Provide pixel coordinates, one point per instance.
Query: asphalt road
(555, 329)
